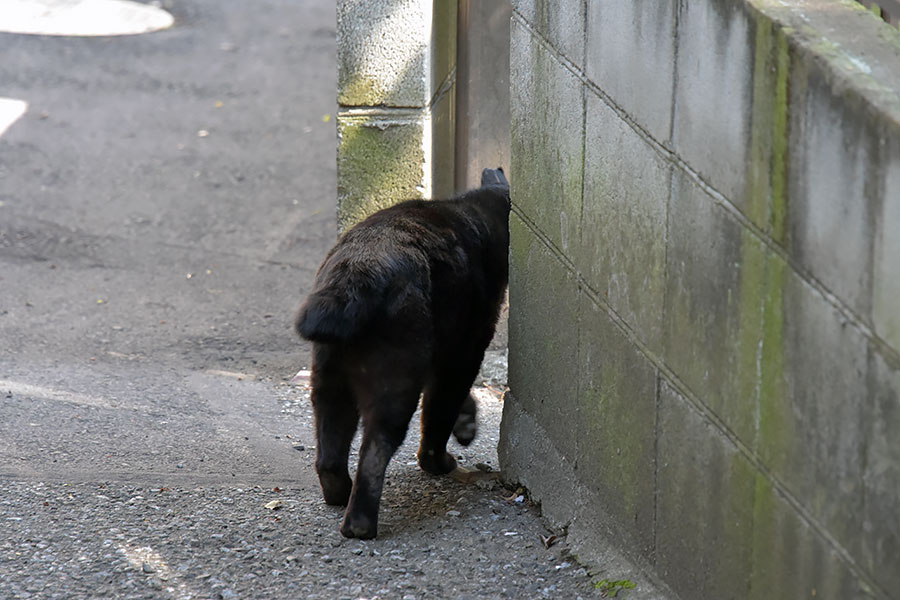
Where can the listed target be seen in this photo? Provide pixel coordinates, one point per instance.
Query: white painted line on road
(36, 391)
(10, 111)
(82, 17)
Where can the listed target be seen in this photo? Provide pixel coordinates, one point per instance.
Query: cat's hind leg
(336, 417)
(466, 426)
(385, 422)
(447, 407)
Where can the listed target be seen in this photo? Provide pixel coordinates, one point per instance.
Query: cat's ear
(494, 177)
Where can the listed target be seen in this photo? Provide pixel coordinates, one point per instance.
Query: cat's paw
(336, 488)
(466, 425)
(360, 526)
(465, 429)
(436, 463)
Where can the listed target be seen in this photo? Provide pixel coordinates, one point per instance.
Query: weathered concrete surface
(714, 306)
(706, 227)
(886, 276)
(545, 349)
(705, 500)
(631, 56)
(396, 87)
(830, 213)
(566, 502)
(624, 223)
(382, 53)
(560, 23)
(713, 91)
(381, 161)
(547, 127)
(616, 429)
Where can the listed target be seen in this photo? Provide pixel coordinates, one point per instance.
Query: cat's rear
(406, 302)
(388, 258)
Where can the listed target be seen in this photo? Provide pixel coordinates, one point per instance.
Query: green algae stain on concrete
(740, 495)
(775, 413)
(750, 327)
(761, 125)
(766, 203)
(361, 91)
(780, 134)
(615, 432)
(791, 560)
(761, 343)
(547, 137)
(763, 274)
(626, 440)
(764, 582)
(380, 163)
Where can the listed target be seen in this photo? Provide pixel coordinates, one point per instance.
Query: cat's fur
(406, 302)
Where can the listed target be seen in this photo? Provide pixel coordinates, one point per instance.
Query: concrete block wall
(705, 272)
(396, 103)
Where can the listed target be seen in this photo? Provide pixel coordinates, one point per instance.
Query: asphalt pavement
(165, 199)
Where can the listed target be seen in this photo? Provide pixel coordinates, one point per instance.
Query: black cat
(406, 301)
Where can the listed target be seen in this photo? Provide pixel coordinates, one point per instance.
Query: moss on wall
(776, 437)
(380, 163)
(763, 275)
(762, 405)
(767, 176)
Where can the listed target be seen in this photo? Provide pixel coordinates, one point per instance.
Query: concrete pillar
(396, 103)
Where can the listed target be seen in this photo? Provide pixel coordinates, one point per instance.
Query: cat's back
(439, 258)
(414, 223)
(411, 234)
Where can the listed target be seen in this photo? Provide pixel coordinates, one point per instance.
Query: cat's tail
(330, 315)
(357, 286)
